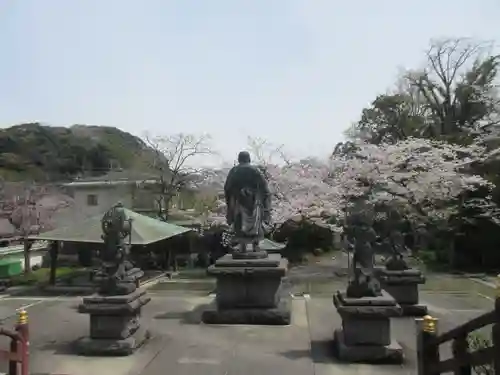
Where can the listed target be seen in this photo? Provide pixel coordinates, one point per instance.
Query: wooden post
(427, 350)
(495, 334)
(13, 364)
(460, 348)
(23, 329)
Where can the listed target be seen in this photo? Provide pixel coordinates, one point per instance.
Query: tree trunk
(54, 253)
(26, 253)
(452, 256)
(174, 258)
(166, 211)
(168, 256)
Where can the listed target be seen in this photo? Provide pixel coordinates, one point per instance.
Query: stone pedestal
(114, 324)
(249, 290)
(402, 285)
(365, 335)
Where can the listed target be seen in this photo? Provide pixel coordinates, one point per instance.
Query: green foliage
(427, 257)
(42, 275)
(303, 237)
(38, 152)
(389, 119)
(478, 341)
(451, 99)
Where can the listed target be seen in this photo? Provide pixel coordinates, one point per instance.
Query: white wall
(35, 259)
(106, 197)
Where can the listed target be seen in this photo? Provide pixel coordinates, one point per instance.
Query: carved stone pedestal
(365, 335)
(402, 285)
(114, 324)
(249, 290)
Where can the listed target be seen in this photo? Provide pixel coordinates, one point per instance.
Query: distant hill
(48, 153)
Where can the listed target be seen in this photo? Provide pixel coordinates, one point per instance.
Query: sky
(292, 72)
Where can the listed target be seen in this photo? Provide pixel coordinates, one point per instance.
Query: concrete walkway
(183, 346)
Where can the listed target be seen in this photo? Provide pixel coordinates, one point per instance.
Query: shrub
(478, 341)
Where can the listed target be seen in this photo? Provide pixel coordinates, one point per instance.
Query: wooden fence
(463, 359)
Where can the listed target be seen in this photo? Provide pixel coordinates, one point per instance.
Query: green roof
(145, 230)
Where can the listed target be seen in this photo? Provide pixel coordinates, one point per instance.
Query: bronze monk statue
(248, 202)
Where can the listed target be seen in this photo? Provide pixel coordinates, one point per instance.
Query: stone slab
(392, 353)
(248, 271)
(409, 276)
(280, 315)
(109, 347)
(408, 272)
(272, 260)
(130, 308)
(402, 280)
(97, 298)
(384, 306)
(247, 267)
(414, 310)
(384, 300)
(261, 254)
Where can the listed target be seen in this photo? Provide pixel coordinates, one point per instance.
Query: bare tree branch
(265, 153)
(456, 84)
(171, 163)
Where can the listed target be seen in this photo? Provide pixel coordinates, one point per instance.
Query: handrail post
(13, 364)
(495, 331)
(460, 348)
(23, 329)
(427, 349)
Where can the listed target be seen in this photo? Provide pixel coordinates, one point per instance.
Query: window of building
(92, 200)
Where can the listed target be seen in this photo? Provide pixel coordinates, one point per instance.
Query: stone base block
(279, 315)
(113, 326)
(250, 255)
(392, 353)
(404, 294)
(366, 320)
(402, 285)
(128, 304)
(248, 283)
(414, 310)
(112, 347)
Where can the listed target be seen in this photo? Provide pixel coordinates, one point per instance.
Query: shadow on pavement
(320, 352)
(324, 352)
(186, 316)
(60, 347)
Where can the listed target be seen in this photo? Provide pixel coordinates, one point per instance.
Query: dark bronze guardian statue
(117, 275)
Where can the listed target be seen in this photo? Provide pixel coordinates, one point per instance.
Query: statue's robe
(360, 230)
(248, 201)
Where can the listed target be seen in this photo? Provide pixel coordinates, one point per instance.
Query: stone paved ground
(182, 346)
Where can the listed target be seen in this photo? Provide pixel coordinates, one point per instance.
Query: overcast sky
(295, 72)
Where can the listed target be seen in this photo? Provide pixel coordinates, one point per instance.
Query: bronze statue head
(243, 157)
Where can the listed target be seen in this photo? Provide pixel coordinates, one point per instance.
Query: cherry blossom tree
(32, 210)
(422, 176)
(300, 189)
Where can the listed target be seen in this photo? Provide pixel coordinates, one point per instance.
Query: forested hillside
(47, 153)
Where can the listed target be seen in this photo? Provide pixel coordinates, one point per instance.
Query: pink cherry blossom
(412, 172)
